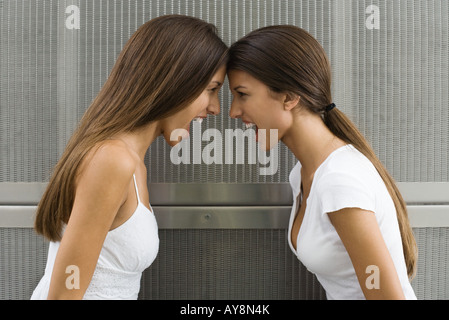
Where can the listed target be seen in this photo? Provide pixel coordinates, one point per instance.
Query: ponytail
(342, 127)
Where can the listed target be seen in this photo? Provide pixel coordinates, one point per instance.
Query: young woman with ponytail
(349, 222)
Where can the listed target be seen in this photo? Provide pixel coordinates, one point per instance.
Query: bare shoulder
(115, 155)
(109, 160)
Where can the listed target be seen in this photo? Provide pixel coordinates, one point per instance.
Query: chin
(172, 143)
(267, 143)
(267, 146)
(175, 136)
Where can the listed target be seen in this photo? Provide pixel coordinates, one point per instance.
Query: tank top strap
(137, 189)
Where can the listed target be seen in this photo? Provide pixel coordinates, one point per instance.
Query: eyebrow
(239, 87)
(217, 82)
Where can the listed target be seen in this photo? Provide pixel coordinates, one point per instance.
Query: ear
(291, 100)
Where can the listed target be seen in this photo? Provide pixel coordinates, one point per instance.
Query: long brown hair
(163, 67)
(289, 59)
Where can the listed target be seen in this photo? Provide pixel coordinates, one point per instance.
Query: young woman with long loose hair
(95, 210)
(349, 222)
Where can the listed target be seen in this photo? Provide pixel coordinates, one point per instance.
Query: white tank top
(127, 251)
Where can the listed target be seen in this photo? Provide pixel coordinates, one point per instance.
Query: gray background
(392, 82)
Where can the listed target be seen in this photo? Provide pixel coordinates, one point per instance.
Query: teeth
(249, 125)
(199, 120)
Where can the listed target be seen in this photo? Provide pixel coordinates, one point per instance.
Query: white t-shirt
(346, 179)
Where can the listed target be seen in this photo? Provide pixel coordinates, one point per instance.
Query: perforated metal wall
(227, 264)
(391, 81)
(219, 264)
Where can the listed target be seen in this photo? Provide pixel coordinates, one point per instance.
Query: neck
(310, 141)
(140, 140)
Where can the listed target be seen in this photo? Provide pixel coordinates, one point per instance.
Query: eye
(214, 89)
(241, 94)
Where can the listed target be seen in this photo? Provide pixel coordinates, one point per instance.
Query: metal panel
(23, 256)
(225, 217)
(432, 279)
(219, 264)
(227, 265)
(391, 81)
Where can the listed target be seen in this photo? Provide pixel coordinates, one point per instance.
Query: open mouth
(198, 119)
(249, 125)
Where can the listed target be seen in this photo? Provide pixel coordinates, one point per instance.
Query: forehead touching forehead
(218, 77)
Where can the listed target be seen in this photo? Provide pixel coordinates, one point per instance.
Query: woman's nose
(235, 111)
(213, 108)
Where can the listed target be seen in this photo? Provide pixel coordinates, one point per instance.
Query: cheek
(199, 104)
(254, 107)
(268, 111)
(283, 117)
(188, 114)
(275, 117)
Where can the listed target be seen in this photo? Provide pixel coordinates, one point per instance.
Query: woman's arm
(101, 190)
(361, 236)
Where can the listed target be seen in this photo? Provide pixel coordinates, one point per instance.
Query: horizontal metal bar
(259, 217)
(21, 193)
(173, 194)
(224, 194)
(428, 216)
(220, 194)
(222, 217)
(425, 192)
(17, 216)
(179, 217)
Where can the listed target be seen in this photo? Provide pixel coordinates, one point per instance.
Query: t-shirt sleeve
(343, 190)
